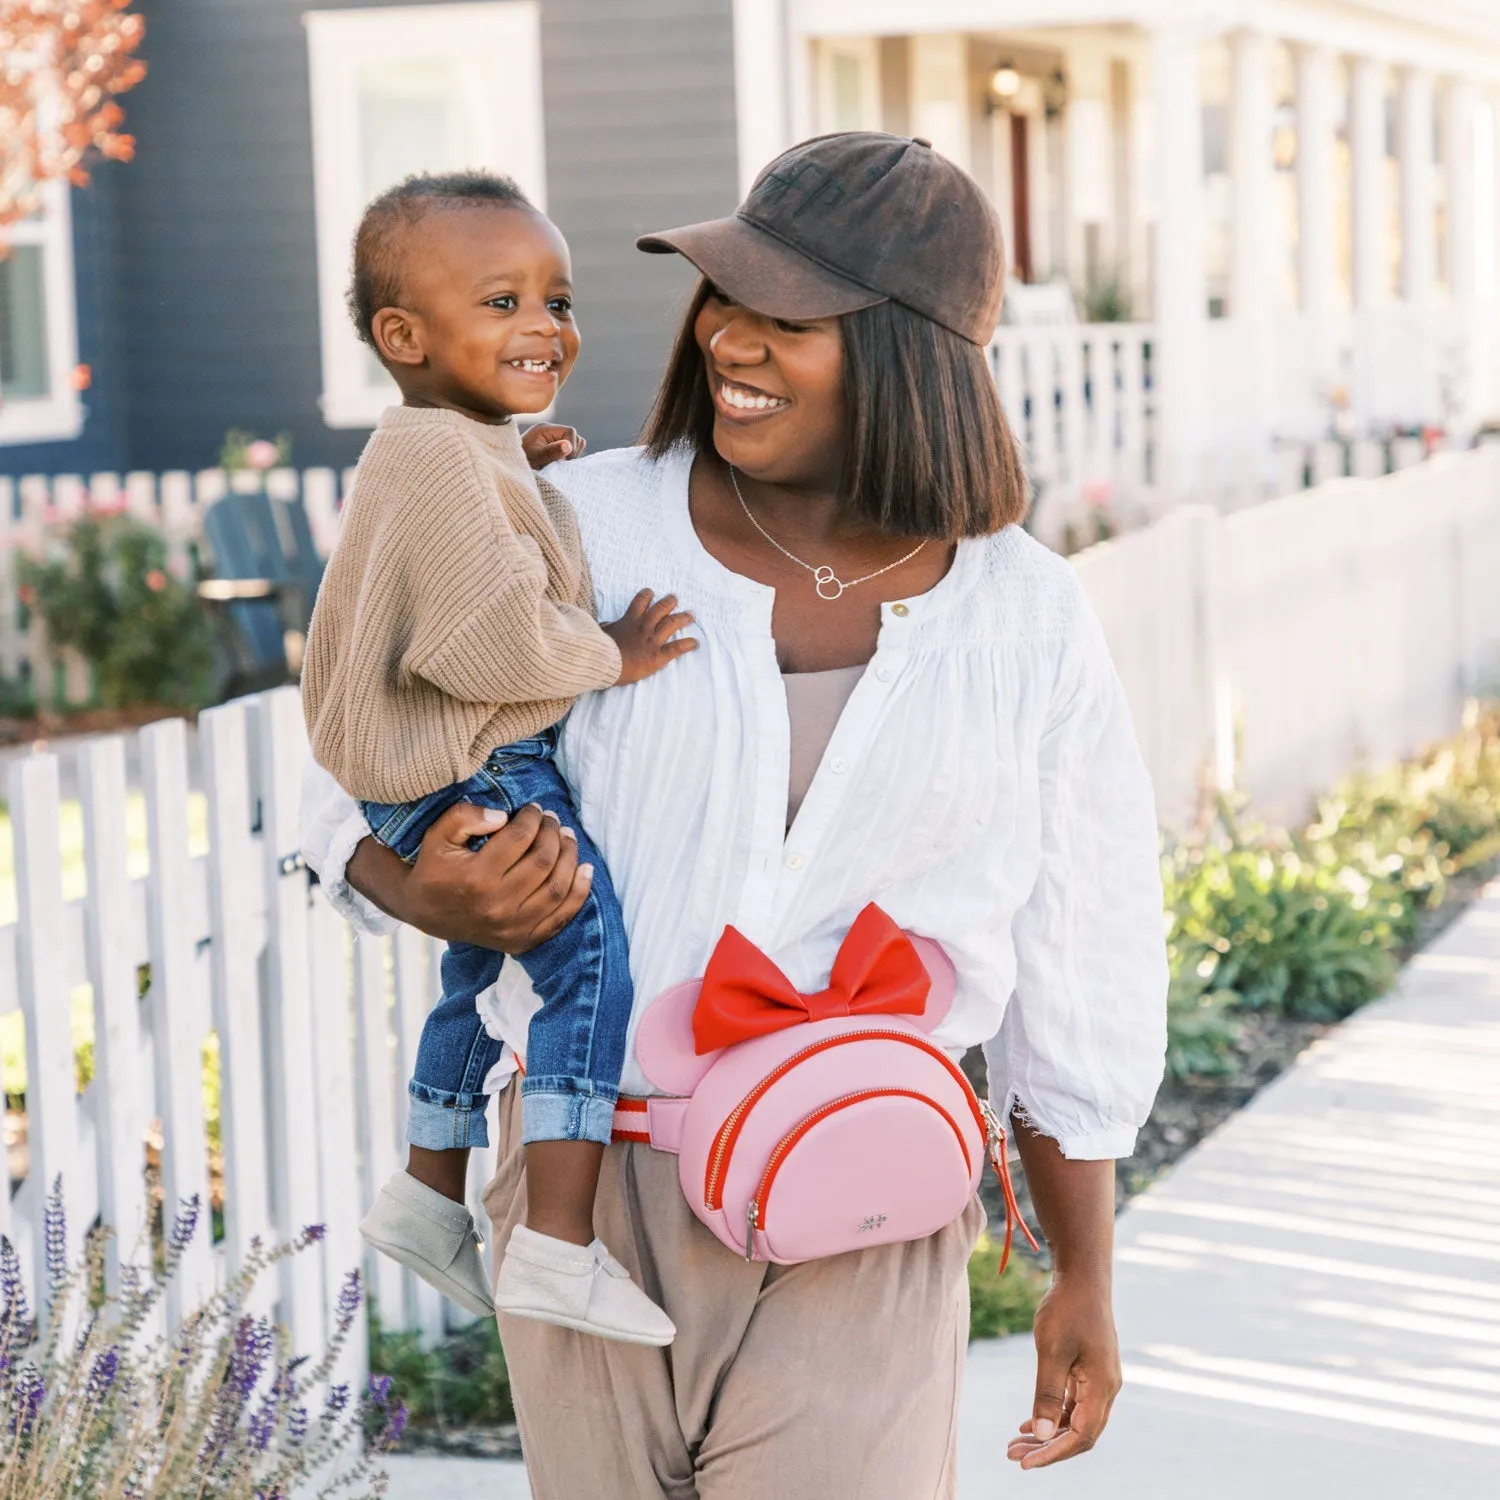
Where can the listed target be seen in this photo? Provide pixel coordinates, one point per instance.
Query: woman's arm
(523, 886)
(1077, 1353)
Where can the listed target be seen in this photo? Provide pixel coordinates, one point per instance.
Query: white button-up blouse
(983, 786)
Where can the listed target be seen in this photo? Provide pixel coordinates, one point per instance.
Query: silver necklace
(828, 584)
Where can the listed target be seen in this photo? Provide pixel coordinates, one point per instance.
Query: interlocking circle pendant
(827, 585)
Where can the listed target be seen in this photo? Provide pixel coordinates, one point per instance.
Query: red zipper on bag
(760, 1204)
(729, 1132)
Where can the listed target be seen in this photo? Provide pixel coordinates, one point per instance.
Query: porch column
(1315, 196)
(1417, 229)
(1367, 148)
(940, 93)
(1181, 291)
(1460, 103)
(1251, 168)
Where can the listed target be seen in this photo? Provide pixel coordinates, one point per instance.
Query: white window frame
(57, 416)
(865, 52)
(501, 41)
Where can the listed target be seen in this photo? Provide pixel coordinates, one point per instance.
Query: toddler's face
(490, 323)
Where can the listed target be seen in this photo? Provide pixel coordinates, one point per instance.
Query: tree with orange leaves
(63, 64)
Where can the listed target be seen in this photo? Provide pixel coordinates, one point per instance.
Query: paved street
(1310, 1305)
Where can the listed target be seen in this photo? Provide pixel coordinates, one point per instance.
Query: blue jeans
(576, 1046)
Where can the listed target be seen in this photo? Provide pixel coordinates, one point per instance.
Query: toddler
(453, 630)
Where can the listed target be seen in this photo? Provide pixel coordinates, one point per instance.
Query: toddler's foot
(577, 1286)
(417, 1226)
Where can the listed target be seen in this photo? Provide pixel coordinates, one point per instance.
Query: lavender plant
(95, 1405)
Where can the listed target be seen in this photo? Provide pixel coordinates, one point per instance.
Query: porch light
(1005, 81)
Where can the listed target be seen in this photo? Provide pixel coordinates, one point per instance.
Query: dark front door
(1020, 196)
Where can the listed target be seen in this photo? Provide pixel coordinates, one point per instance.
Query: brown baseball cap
(845, 221)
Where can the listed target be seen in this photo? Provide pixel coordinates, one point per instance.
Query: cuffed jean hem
(564, 1115)
(446, 1127)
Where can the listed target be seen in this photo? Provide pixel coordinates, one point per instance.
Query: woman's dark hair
(930, 453)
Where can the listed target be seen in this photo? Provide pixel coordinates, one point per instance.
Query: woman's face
(778, 393)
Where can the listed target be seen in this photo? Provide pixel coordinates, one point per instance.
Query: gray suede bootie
(417, 1226)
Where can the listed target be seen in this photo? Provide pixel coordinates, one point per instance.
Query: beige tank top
(814, 701)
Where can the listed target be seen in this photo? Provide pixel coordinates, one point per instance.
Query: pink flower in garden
(112, 504)
(26, 594)
(1096, 493)
(262, 454)
(156, 580)
(177, 567)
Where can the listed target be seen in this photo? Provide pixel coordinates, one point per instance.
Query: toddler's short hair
(377, 242)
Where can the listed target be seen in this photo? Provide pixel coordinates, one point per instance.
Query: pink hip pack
(808, 1125)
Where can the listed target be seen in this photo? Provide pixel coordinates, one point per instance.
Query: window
(426, 88)
(38, 329)
(849, 85)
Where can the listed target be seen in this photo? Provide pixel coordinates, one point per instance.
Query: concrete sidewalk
(1309, 1305)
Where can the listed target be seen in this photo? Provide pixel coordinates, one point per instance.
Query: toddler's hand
(548, 442)
(645, 635)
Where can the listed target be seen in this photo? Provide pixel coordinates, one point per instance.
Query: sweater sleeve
(485, 628)
(1081, 1048)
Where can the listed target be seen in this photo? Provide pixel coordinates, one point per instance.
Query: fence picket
(140, 498)
(51, 1090)
(280, 751)
(179, 1024)
(338, 1140)
(235, 950)
(377, 1104)
(414, 964)
(121, 1101)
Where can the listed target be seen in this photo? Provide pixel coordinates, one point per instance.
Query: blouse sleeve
(332, 827)
(1081, 1050)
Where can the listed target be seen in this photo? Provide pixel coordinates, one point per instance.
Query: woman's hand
(549, 442)
(1077, 1372)
(521, 888)
(1077, 1353)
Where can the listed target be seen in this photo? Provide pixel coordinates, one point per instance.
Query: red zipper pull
(995, 1142)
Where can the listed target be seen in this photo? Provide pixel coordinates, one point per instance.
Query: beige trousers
(833, 1380)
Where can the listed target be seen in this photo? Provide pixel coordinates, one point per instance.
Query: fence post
(51, 1085)
(281, 748)
(377, 1106)
(123, 1104)
(234, 893)
(177, 1021)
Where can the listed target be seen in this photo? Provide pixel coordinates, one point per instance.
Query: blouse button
(900, 611)
(883, 674)
(794, 861)
(838, 765)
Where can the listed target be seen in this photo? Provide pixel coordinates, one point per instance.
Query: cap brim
(760, 271)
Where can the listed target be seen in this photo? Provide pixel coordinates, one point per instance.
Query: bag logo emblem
(874, 1221)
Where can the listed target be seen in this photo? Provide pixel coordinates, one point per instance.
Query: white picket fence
(175, 502)
(316, 1027)
(1277, 647)
(1282, 644)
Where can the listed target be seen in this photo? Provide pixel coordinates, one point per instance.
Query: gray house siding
(209, 298)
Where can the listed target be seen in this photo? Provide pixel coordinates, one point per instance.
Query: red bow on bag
(878, 971)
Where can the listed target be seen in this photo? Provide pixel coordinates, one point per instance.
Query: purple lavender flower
(312, 1233)
(185, 1223)
(12, 1287)
(335, 1402)
(26, 1400)
(102, 1377)
(394, 1427)
(263, 1424)
(296, 1426)
(380, 1389)
(55, 1233)
(351, 1294)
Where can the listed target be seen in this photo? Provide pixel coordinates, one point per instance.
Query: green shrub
(1201, 1032)
(1276, 929)
(461, 1381)
(1002, 1303)
(105, 588)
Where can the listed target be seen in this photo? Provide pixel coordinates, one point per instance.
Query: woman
(898, 697)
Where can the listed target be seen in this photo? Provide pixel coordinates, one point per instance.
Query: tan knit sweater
(456, 614)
